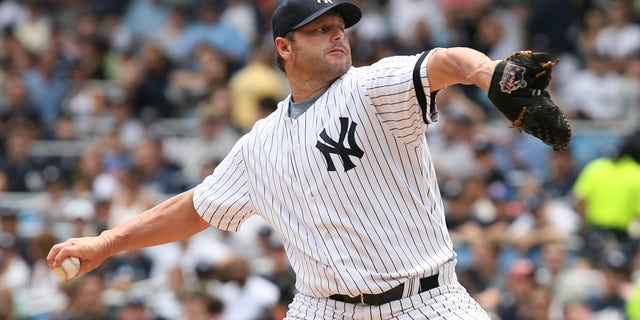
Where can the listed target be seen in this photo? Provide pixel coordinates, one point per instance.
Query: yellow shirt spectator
(257, 80)
(611, 192)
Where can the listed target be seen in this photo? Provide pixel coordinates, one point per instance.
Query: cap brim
(350, 13)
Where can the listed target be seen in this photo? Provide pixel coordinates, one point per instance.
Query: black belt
(427, 283)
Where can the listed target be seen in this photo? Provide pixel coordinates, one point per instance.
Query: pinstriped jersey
(349, 184)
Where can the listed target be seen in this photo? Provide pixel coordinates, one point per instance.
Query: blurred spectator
(115, 33)
(130, 199)
(136, 309)
(164, 293)
(64, 128)
(198, 304)
(553, 25)
(520, 285)
(34, 31)
(85, 299)
(14, 269)
(609, 301)
(608, 190)
(103, 208)
(145, 17)
(514, 149)
(561, 176)
(245, 295)
(576, 310)
(115, 157)
(538, 304)
(483, 278)
(125, 269)
(16, 111)
(594, 20)
(130, 129)
(266, 106)
(89, 167)
(577, 283)
(461, 224)
(46, 87)
(51, 208)
(125, 69)
(6, 303)
(12, 12)
(209, 29)
(242, 16)
(632, 71)
(553, 260)
(16, 58)
(42, 296)
(533, 229)
(79, 214)
(498, 33)
(159, 174)
(620, 37)
(90, 62)
(203, 249)
(487, 168)
(167, 34)
(219, 97)
(451, 148)
(214, 140)
(23, 172)
(282, 275)
(84, 103)
(372, 28)
(412, 28)
(148, 89)
(10, 234)
(256, 80)
(598, 92)
(194, 83)
(483, 208)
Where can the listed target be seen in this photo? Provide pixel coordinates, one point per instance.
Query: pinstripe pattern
(367, 229)
(448, 301)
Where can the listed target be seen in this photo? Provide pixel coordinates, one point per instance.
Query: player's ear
(283, 47)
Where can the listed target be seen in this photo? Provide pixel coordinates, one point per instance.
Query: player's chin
(340, 62)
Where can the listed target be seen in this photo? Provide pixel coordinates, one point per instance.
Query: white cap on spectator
(104, 187)
(79, 208)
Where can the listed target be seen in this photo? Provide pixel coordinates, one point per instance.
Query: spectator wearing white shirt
(620, 38)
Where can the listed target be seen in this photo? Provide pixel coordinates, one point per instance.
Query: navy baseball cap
(293, 14)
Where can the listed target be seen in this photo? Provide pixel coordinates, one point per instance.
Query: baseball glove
(518, 90)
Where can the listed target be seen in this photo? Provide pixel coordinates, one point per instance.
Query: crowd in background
(108, 107)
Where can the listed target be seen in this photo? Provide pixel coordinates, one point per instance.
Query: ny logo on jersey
(329, 146)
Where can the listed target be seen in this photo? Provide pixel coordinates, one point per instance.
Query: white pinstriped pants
(448, 301)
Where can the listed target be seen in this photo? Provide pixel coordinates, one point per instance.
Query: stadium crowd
(107, 107)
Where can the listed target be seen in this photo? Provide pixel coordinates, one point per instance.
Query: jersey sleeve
(399, 89)
(222, 198)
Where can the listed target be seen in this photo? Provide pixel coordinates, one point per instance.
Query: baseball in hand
(68, 269)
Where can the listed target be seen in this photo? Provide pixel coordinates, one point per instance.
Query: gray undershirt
(296, 109)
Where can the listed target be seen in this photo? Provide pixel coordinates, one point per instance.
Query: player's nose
(338, 34)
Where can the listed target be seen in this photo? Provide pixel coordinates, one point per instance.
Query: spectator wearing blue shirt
(145, 17)
(46, 89)
(208, 29)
